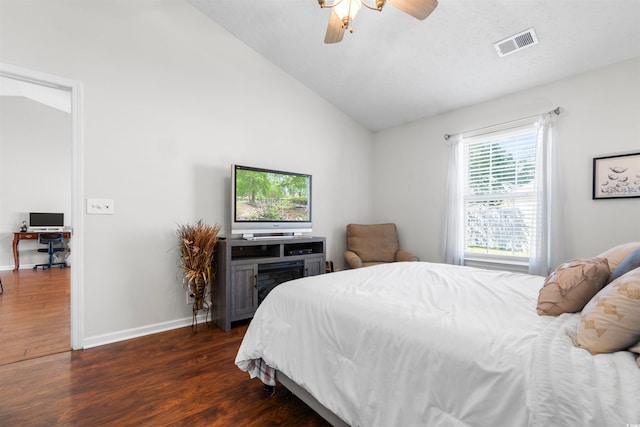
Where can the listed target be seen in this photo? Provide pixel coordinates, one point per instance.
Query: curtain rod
(555, 111)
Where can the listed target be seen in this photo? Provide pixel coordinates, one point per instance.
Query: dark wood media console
(247, 270)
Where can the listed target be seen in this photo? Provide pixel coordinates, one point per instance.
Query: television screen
(266, 200)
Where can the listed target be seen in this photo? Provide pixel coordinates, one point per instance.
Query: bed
(417, 343)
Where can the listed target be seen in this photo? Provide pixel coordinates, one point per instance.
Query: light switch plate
(100, 206)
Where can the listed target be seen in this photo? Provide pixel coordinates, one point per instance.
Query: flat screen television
(269, 203)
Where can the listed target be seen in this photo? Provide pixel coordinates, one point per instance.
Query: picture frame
(616, 177)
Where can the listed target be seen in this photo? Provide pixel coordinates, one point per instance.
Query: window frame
(512, 262)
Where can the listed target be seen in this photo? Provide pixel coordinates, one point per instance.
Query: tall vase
(198, 289)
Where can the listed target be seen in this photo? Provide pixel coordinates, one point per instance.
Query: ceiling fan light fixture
(348, 8)
(346, 11)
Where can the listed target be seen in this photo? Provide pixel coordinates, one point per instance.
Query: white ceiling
(395, 69)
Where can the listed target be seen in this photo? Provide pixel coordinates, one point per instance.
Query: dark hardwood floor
(171, 378)
(34, 313)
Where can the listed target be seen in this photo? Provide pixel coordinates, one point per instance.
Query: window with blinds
(499, 194)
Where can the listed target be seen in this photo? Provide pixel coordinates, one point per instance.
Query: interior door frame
(77, 185)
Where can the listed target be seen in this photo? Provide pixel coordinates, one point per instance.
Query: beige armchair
(374, 244)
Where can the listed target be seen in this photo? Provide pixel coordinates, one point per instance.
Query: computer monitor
(46, 221)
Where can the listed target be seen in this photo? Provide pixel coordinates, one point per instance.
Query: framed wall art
(616, 177)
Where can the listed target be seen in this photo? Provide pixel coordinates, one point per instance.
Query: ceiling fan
(345, 10)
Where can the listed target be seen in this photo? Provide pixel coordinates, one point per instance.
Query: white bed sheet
(408, 344)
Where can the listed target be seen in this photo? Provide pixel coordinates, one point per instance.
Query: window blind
(499, 192)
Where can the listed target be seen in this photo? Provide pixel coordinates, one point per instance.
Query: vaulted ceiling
(394, 69)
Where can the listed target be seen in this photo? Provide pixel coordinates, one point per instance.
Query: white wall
(601, 112)
(35, 170)
(170, 101)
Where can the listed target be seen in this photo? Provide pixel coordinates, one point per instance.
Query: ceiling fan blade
(335, 29)
(419, 9)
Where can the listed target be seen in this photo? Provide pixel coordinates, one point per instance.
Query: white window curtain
(454, 221)
(546, 245)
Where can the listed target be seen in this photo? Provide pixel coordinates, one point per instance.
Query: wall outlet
(190, 298)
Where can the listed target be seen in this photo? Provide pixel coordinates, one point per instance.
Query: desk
(29, 235)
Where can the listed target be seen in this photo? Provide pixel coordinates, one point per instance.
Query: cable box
(305, 251)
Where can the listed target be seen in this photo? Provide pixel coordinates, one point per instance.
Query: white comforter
(421, 344)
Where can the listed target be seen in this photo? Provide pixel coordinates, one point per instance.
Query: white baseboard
(10, 267)
(127, 334)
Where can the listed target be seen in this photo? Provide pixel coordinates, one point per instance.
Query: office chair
(51, 239)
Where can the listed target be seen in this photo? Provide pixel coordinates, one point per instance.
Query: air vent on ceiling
(516, 42)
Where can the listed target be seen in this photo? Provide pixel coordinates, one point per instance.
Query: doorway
(73, 88)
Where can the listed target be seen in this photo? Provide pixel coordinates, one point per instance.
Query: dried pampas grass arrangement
(197, 244)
